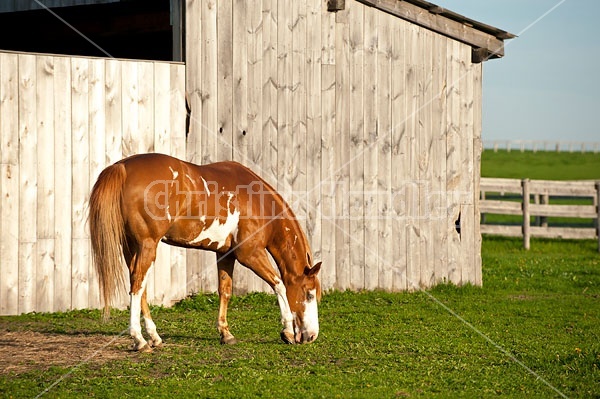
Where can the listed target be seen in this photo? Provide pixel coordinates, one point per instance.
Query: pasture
(531, 330)
(541, 165)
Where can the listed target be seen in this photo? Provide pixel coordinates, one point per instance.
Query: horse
(221, 207)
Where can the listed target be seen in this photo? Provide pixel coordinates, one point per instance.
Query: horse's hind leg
(225, 266)
(155, 339)
(140, 258)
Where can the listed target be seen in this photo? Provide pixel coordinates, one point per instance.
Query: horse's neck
(288, 248)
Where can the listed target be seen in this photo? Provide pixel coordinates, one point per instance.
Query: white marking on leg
(151, 330)
(287, 318)
(310, 328)
(135, 308)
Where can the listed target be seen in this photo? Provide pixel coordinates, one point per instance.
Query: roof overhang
(486, 41)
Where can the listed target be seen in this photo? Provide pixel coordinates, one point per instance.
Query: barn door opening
(136, 29)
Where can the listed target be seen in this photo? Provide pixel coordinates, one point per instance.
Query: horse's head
(303, 297)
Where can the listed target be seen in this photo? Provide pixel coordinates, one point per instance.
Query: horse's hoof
(229, 340)
(288, 338)
(156, 344)
(145, 349)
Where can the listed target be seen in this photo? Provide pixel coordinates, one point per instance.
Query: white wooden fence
(542, 145)
(62, 120)
(541, 191)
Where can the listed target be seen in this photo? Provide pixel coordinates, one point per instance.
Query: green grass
(541, 165)
(536, 317)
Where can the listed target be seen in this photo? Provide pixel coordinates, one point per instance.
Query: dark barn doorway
(137, 29)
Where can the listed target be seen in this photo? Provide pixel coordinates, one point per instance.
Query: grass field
(544, 166)
(541, 165)
(531, 331)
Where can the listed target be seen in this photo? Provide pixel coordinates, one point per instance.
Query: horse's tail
(107, 231)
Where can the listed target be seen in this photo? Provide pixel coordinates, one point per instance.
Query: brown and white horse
(222, 207)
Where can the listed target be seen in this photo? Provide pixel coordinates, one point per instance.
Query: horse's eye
(310, 297)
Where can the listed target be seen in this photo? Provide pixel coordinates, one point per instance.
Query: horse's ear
(312, 271)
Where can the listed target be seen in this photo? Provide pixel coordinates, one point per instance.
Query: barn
(365, 115)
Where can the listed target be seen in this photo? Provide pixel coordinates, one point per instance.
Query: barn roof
(487, 41)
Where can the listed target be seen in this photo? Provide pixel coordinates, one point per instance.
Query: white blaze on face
(311, 316)
(218, 232)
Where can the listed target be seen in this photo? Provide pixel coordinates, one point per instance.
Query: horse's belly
(215, 235)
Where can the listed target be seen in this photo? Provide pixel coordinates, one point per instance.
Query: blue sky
(547, 87)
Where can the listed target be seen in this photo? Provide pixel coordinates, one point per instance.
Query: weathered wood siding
(62, 120)
(370, 126)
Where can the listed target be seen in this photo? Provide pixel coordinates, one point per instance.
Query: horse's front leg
(225, 266)
(258, 262)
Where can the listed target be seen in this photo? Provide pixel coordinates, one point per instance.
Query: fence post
(598, 213)
(526, 221)
(543, 219)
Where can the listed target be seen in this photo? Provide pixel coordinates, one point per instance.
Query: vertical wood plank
(97, 146)
(399, 161)
(298, 177)
(425, 144)
(341, 158)
(328, 218)
(130, 108)
(526, 214)
(145, 127)
(27, 182)
(207, 125)
(598, 211)
(285, 167)
(327, 35)
(269, 91)
(453, 160)
(241, 138)
(63, 185)
(413, 272)
(113, 111)
(9, 184)
(356, 149)
(194, 51)
(384, 149)
(477, 150)
(370, 159)
(467, 179)
(81, 182)
(437, 196)
(314, 124)
(225, 79)
(45, 184)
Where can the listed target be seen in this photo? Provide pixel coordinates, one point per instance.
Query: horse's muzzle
(305, 337)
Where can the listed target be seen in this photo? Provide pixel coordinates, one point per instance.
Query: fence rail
(531, 198)
(542, 145)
